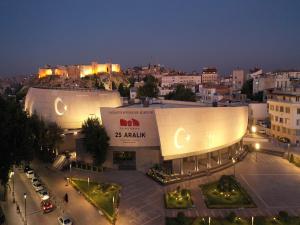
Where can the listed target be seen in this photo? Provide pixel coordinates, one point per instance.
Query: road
(34, 212)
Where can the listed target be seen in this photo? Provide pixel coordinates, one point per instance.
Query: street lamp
(88, 183)
(288, 146)
(253, 129)
(233, 161)
(25, 215)
(257, 147)
(13, 185)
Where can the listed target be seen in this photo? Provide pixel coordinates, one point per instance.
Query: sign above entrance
(135, 127)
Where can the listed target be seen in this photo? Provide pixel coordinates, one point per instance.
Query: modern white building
(181, 136)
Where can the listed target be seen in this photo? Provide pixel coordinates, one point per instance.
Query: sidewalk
(10, 211)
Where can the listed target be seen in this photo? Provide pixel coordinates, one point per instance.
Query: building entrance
(126, 160)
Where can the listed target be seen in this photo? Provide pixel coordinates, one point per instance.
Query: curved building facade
(161, 133)
(69, 107)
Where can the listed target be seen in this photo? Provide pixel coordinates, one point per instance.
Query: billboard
(135, 127)
(186, 132)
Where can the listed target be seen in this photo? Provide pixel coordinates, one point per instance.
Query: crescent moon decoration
(59, 100)
(181, 131)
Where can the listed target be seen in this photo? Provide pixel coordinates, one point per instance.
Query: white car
(30, 174)
(64, 220)
(38, 186)
(34, 180)
(44, 195)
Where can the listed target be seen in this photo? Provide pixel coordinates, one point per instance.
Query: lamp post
(257, 147)
(233, 161)
(88, 183)
(25, 213)
(13, 184)
(288, 147)
(253, 129)
(252, 220)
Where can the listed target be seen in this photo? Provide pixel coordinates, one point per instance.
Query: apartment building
(169, 81)
(238, 79)
(284, 111)
(210, 75)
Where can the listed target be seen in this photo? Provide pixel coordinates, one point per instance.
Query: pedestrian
(66, 198)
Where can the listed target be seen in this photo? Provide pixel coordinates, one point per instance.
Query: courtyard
(271, 182)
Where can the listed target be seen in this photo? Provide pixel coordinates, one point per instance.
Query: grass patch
(226, 193)
(104, 196)
(178, 199)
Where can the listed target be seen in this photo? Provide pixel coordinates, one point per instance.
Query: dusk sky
(185, 35)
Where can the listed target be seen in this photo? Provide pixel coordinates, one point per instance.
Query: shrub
(231, 217)
(184, 192)
(291, 159)
(226, 183)
(283, 215)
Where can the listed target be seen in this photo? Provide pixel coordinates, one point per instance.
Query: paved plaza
(272, 182)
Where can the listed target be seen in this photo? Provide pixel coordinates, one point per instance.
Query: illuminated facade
(171, 133)
(68, 107)
(77, 71)
(284, 111)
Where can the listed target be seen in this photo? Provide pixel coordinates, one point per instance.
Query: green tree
(123, 90)
(182, 94)
(16, 139)
(150, 87)
(46, 138)
(113, 86)
(247, 88)
(96, 140)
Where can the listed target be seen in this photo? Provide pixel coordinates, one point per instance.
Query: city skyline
(182, 36)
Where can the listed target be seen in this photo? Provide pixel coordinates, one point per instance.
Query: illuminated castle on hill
(78, 71)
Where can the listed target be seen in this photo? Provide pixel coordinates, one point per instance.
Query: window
(277, 108)
(298, 122)
(286, 120)
(278, 128)
(283, 129)
(276, 118)
(287, 109)
(297, 99)
(280, 120)
(281, 108)
(298, 110)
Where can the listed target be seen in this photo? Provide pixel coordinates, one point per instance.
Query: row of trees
(182, 93)
(23, 137)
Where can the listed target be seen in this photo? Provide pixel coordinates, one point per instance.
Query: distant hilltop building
(78, 71)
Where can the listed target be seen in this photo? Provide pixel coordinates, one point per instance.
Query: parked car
(30, 174)
(47, 206)
(27, 168)
(34, 180)
(38, 186)
(64, 220)
(44, 195)
(284, 140)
